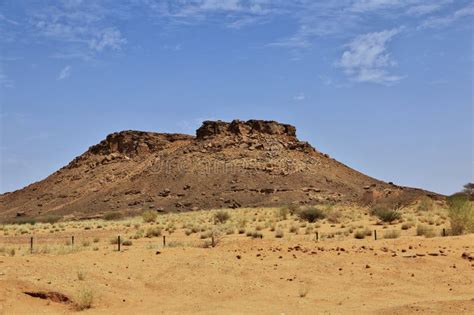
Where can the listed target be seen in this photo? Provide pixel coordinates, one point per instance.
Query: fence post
(118, 242)
(164, 241)
(212, 239)
(317, 236)
(375, 234)
(31, 245)
(444, 232)
(72, 241)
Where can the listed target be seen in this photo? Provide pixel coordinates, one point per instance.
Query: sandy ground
(243, 275)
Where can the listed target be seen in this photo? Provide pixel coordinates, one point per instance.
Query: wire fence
(43, 243)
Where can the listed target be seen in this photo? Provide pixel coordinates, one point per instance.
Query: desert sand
(294, 274)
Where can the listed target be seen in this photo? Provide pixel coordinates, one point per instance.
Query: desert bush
(303, 290)
(282, 213)
(279, 233)
(241, 231)
(96, 240)
(84, 299)
(221, 217)
(86, 243)
(407, 226)
(112, 215)
(386, 215)
(149, 216)
(113, 241)
(391, 234)
(257, 234)
(293, 208)
(461, 214)
(360, 234)
(81, 275)
(22, 220)
(127, 243)
(311, 214)
(425, 204)
(153, 232)
(425, 230)
(50, 219)
(333, 215)
(294, 229)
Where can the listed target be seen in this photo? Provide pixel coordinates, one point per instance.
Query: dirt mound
(229, 165)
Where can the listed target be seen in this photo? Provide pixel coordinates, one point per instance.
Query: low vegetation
(84, 299)
(149, 216)
(386, 215)
(461, 214)
(311, 214)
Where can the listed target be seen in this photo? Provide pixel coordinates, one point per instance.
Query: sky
(384, 86)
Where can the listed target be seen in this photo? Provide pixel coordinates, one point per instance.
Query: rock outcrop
(226, 165)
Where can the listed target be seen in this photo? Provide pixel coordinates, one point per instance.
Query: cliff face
(245, 128)
(227, 165)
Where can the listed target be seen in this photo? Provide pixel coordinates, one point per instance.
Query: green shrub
(425, 230)
(221, 217)
(112, 215)
(22, 220)
(425, 204)
(50, 219)
(84, 299)
(311, 214)
(360, 234)
(149, 216)
(153, 232)
(386, 215)
(461, 214)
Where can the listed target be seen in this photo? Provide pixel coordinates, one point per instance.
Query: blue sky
(384, 86)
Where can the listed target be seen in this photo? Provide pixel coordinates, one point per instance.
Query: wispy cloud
(424, 9)
(85, 25)
(367, 59)
(64, 73)
(437, 22)
(232, 13)
(5, 81)
(7, 20)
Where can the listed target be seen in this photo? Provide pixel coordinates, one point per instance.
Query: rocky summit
(226, 165)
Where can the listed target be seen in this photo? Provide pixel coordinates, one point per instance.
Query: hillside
(226, 165)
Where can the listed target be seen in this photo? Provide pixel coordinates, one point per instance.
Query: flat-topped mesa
(244, 128)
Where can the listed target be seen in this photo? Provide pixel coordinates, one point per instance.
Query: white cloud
(64, 73)
(367, 59)
(5, 81)
(371, 5)
(299, 97)
(109, 37)
(83, 26)
(437, 22)
(424, 9)
(7, 20)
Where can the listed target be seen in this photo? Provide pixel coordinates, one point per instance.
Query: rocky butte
(226, 165)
